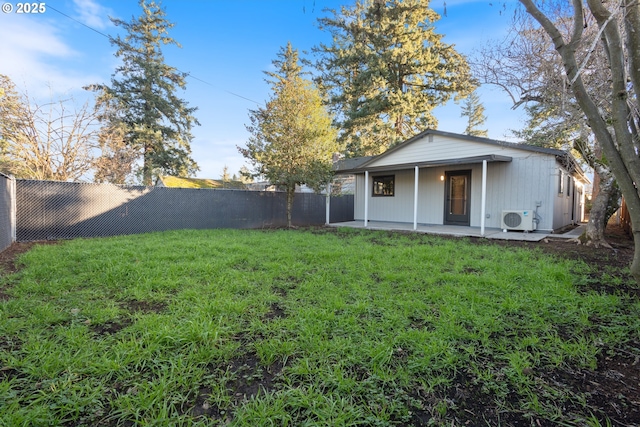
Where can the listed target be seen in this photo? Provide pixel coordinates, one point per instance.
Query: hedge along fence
(50, 210)
(7, 211)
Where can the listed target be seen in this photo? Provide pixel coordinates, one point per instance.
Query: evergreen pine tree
(386, 70)
(473, 110)
(292, 141)
(142, 97)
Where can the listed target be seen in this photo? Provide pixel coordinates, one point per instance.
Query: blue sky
(225, 43)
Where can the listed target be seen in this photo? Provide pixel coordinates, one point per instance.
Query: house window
(561, 183)
(568, 185)
(383, 186)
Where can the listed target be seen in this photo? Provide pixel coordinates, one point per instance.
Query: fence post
(13, 210)
(328, 205)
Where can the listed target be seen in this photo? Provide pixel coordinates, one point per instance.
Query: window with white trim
(560, 183)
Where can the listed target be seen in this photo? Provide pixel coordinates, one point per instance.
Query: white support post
(415, 200)
(483, 209)
(582, 202)
(328, 205)
(366, 197)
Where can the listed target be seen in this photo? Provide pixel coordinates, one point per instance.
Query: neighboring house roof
(359, 164)
(352, 163)
(179, 182)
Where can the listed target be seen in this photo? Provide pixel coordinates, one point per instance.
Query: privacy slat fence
(49, 210)
(625, 217)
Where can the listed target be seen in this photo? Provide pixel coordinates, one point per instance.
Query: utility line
(185, 73)
(75, 20)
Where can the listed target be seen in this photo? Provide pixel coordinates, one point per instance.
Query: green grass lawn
(306, 327)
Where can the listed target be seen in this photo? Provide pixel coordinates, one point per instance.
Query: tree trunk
(599, 216)
(635, 264)
(605, 193)
(291, 192)
(146, 167)
(632, 21)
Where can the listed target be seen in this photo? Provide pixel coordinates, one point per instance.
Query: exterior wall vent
(521, 220)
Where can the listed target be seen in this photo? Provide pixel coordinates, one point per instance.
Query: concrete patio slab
(454, 230)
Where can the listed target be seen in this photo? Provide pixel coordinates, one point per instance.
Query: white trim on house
(483, 209)
(366, 197)
(415, 198)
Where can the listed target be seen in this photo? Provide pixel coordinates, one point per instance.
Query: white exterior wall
(517, 185)
(564, 203)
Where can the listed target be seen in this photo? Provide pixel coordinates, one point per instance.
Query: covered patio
(485, 160)
(460, 231)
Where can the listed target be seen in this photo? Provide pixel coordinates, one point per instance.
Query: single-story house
(445, 178)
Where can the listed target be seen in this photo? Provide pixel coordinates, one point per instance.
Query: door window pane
(458, 195)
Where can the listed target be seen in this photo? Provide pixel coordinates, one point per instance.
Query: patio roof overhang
(427, 164)
(364, 166)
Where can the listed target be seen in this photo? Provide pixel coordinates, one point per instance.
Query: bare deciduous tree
(527, 67)
(618, 26)
(54, 141)
(117, 160)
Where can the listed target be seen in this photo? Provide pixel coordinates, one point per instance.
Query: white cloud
(93, 14)
(213, 154)
(23, 33)
(35, 56)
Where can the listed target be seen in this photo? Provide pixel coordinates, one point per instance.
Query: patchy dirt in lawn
(275, 312)
(8, 256)
(250, 377)
(110, 328)
(611, 391)
(619, 257)
(8, 264)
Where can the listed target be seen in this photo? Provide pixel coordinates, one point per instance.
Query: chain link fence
(50, 210)
(7, 211)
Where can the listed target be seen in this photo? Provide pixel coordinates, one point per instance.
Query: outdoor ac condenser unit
(517, 220)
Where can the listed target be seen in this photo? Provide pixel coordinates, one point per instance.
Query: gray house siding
(431, 197)
(567, 206)
(516, 185)
(520, 185)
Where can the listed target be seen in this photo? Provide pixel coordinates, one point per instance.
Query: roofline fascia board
(430, 164)
(577, 170)
(489, 141)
